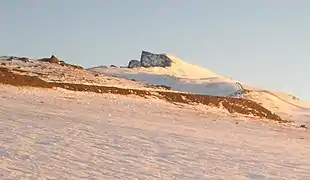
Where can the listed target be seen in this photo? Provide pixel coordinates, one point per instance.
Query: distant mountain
(170, 71)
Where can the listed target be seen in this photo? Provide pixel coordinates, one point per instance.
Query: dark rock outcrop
(53, 59)
(134, 64)
(11, 58)
(149, 59)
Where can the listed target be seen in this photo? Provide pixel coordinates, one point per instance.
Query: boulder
(134, 64)
(149, 59)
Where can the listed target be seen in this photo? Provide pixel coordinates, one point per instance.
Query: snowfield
(60, 134)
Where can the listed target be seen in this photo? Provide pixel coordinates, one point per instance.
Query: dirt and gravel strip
(233, 105)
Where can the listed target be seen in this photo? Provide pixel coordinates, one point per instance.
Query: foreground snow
(57, 134)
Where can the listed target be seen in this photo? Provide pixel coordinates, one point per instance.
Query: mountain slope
(164, 70)
(185, 77)
(180, 76)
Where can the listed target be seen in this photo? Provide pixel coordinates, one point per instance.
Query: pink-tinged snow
(58, 134)
(282, 104)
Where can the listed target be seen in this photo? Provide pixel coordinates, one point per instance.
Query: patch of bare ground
(233, 105)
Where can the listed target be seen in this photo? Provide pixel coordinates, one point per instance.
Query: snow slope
(185, 77)
(58, 134)
(282, 104)
(180, 76)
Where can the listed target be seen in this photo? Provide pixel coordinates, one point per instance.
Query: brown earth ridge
(233, 105)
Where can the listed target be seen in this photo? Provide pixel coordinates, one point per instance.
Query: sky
(264, 43)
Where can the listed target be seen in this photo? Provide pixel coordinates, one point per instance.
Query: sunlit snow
(58, 134)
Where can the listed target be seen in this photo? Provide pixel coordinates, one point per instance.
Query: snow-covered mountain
(169, 74)
(170, 71)
(59, 120)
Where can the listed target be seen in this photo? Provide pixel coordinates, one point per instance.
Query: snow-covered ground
(59, 134)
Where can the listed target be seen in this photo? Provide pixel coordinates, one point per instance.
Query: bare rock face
(149, 59)
(134, 64)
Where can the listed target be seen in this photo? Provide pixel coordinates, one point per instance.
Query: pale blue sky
(264, 43)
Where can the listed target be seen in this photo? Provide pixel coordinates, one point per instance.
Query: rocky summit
(149, 59)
